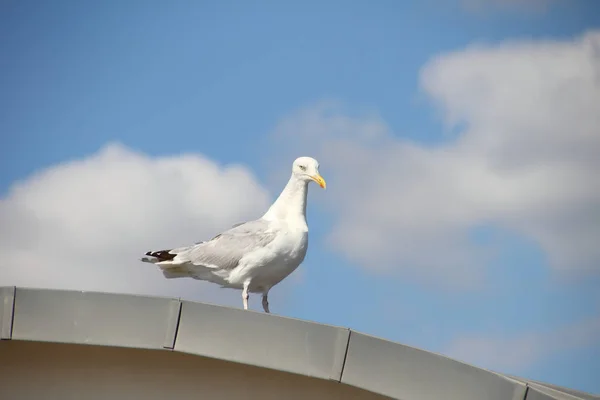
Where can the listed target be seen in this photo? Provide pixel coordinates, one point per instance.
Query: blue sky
(236, 83)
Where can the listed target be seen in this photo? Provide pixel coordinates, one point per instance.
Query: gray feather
(225, 250)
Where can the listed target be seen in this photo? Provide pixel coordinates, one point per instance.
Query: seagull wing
(225, 250)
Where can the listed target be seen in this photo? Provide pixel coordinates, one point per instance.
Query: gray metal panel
(93, 318)
(263, 340)
(257, 339)
(407, 373)
(7, 299)
(573, 392)
(576, 393)
(539, 392)
(172, 324)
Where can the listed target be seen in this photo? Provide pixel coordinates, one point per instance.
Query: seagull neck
(291, 203)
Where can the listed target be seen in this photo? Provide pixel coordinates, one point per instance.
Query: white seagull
(253, 256)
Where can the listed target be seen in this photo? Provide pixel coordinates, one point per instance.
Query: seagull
(256, 255)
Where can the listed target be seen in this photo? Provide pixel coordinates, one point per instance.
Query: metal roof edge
(280, 343)
(7, 305)
(535, 384)
(407, 372)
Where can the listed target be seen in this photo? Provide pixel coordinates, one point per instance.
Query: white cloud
(84, 224)
(516, 354)
(525, 159)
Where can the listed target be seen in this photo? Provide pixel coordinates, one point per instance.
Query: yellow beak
(319, 179)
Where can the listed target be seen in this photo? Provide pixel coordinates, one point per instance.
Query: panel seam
(177, 324)
(526, 390)
(10, 321)
(173, 338)
(345, 355)
(12, 313)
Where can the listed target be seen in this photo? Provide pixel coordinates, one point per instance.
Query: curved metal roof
(258, 339)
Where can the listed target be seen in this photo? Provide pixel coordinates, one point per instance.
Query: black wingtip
(162, 255)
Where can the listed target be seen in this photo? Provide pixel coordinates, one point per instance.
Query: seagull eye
(302, 167)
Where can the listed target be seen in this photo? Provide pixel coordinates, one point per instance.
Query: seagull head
(307, 169)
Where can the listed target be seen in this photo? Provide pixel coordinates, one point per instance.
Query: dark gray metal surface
(404, 372)
(7, 298)
(262, 340)
(94, 318)
(259, 339)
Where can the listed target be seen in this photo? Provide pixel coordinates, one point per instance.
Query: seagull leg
(265, 302)
(245, 295)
